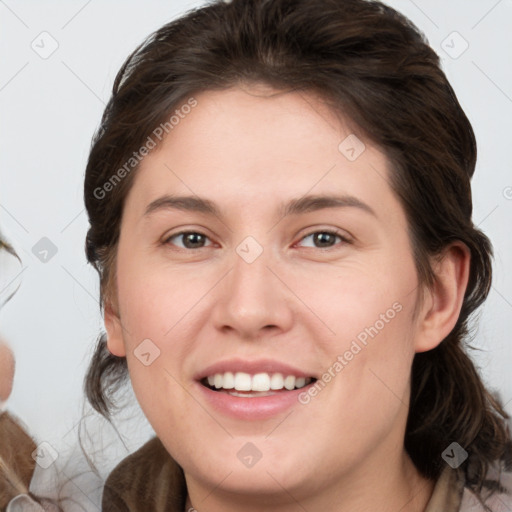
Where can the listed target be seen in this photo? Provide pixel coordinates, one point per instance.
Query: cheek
(368, 353)
(162, 309)
(154, 301)
(364, 304)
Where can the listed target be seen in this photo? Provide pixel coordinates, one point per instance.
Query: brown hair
(376, 69)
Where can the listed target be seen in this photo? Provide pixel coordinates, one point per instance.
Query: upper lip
(252, 367)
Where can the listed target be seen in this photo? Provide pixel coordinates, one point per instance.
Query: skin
(6, 371)
(248, 149)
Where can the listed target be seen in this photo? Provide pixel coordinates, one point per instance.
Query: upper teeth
(259, 382)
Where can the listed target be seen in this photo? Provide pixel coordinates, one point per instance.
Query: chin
(251, 467)
(258, 481)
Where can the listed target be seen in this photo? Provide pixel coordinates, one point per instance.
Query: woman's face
(297, 263)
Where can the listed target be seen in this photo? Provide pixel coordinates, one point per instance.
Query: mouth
(252, 390)
(246, 385)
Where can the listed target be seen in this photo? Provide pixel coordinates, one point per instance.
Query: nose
(253, 300)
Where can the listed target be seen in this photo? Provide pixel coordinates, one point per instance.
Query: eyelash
(343, 238)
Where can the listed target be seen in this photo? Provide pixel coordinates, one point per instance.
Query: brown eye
(325, 239)
(190, 239)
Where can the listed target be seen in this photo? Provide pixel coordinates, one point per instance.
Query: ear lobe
(115, 341)
(442, 307)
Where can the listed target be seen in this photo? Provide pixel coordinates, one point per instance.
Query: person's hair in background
(15, 472)
(17, 466)
(7, 291)
(376, 69)
(7, 255)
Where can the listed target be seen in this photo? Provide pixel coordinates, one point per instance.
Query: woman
(280, 214)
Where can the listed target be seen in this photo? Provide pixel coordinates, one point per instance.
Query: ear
(442, 304)
(115, 341)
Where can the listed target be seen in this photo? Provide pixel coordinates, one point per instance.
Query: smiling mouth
(241, 384)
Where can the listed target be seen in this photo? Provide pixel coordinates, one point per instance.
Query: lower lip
(252, 408)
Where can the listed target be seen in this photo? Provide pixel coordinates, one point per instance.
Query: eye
(190, 239)
(325, 238)
(196, 240)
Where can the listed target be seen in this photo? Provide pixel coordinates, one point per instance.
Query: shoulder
(16, 462)
(451, 494)
(148, 479)
(499, 501)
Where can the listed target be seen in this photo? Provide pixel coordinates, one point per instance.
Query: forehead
(257, 146)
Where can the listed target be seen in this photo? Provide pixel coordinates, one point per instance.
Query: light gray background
(50, 108)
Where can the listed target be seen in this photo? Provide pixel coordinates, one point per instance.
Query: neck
(388, 487)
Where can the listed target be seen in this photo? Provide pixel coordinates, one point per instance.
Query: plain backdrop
(50, 106)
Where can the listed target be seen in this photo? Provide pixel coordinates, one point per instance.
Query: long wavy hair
(376, 69)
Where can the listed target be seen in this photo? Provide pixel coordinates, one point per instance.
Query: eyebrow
(302, 205)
